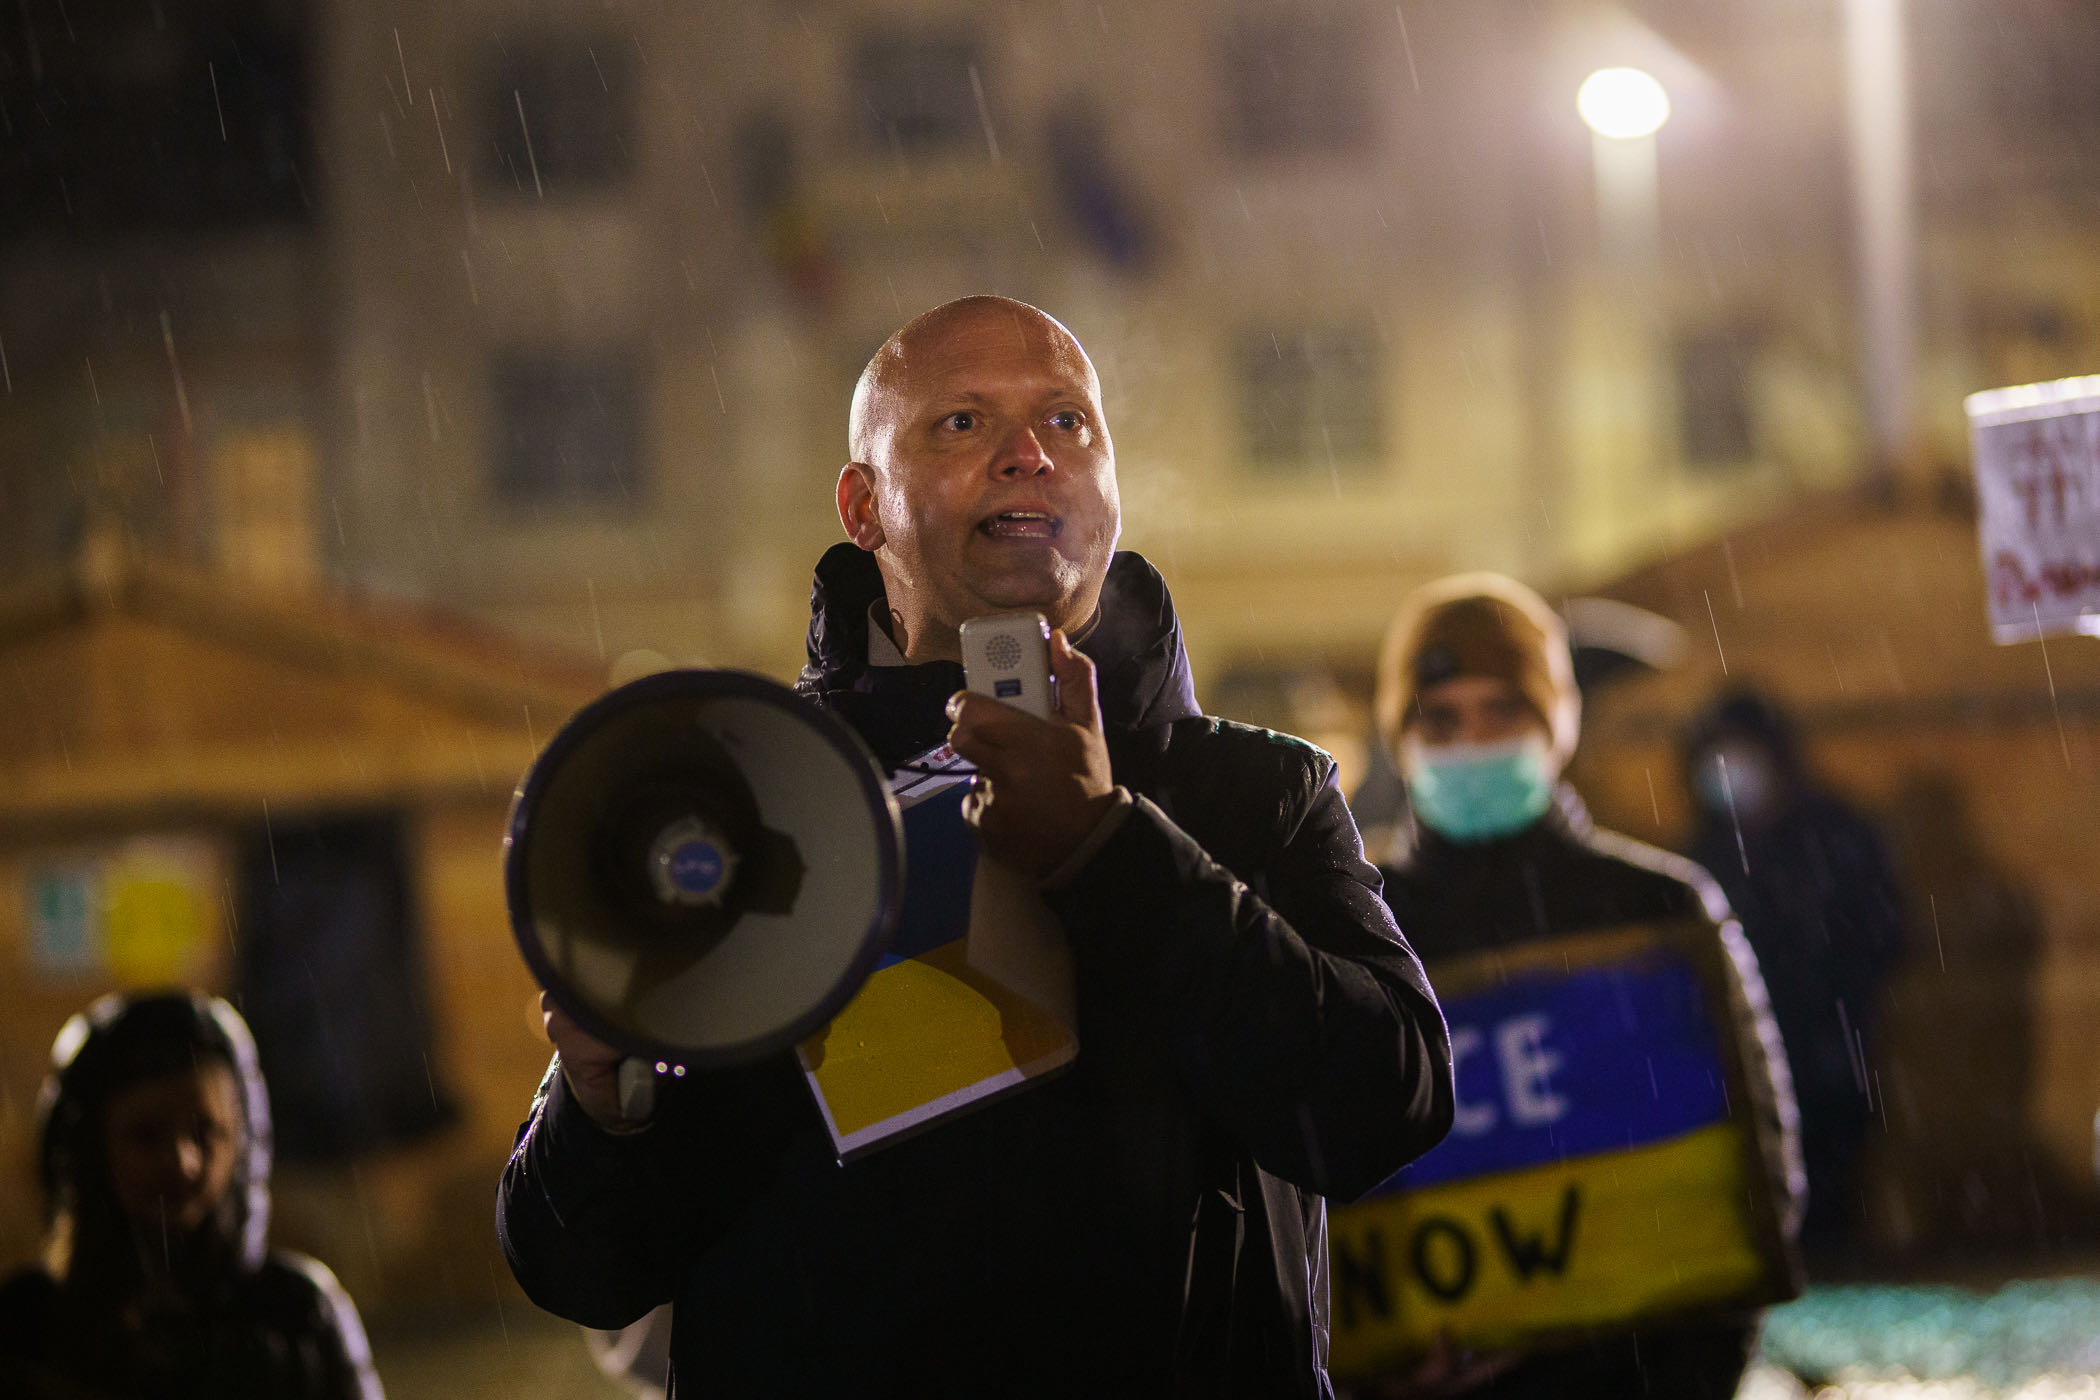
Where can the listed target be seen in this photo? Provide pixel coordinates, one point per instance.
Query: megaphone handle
(637, 1080)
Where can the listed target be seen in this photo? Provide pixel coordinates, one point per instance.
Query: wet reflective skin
(984, 477)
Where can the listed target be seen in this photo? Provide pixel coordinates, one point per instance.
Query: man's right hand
(590, 1065)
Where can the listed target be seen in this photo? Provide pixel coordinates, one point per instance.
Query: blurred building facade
(549, 313)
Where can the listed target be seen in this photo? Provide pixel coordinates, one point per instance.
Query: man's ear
(856, 497)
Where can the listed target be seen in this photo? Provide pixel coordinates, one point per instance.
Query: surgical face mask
(1471, 793)
(1734, 779)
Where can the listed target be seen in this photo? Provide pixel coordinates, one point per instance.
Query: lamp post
(1624, 108)
(1878, 106)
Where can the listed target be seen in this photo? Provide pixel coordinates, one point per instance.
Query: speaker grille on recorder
(1003, 652)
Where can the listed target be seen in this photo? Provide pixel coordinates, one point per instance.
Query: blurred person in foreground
(1254, 1034)
(157, 1282)
(1813, 883)
(1477, 703)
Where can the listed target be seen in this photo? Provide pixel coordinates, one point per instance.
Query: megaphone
(703, 867)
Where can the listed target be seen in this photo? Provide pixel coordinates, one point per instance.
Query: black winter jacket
(283, 1330)
(1254, 1035)
(1560, 876)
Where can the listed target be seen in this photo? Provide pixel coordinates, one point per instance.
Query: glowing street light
(1624, 104)
(1624, 108)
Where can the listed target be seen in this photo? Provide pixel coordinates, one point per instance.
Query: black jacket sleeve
(1772, 1107)
(1297, 1017)
(600, 1227)
(331, 1340)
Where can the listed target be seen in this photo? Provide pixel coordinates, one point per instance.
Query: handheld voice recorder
(1007, 656)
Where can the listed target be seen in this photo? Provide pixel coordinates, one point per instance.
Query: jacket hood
(1135, 644)
(124, 1040)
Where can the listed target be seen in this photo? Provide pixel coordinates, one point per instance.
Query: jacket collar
(1142, 668)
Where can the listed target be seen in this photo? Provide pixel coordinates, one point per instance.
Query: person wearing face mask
(1817, 894)
(157, 1280)
(1477, 704)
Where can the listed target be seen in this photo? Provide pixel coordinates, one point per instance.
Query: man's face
(991, 480)
(172, 1143)
(1473, 710)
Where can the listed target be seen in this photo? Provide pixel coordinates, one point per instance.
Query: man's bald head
(983, 478)
(928, 343)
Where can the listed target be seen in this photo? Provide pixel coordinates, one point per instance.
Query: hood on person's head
(118, 1044)
(1480, 624)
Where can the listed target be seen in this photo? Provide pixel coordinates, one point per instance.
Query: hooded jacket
(219, 1314)
(1253, 1032)
(1818, 897)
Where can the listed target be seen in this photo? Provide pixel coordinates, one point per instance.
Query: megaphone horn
(703, 866)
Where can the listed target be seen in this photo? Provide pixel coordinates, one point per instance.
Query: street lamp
(1624, 108)
(1622, 103)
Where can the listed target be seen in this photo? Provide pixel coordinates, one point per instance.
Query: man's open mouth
(1021, 525)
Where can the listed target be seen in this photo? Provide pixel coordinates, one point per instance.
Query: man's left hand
(1042, 785)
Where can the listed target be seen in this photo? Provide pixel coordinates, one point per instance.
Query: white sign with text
(2037, 452)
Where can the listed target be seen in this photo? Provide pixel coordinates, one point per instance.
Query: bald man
(1254, 1034)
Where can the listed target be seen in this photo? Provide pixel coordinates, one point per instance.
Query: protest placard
(973, 1000)
(1603, 1167)
(2037, 454)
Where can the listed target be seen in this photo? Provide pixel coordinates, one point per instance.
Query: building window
(331, 981)
(156, 119)
(567, 427)
(559, 115)
(1311, 400)
(914, 93)
(1296, 84)
(1714, 412)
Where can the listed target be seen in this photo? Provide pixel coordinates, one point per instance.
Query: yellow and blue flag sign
(1602, 1166)
(957, 1013)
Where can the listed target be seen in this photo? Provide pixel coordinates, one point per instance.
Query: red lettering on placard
(2050, 469)
(2011, 583)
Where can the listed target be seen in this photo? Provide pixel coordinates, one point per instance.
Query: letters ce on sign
(1601, 1168)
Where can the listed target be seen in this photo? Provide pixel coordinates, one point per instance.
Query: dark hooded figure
(157, 1282)
(1816, 892)
(1253, 1034)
